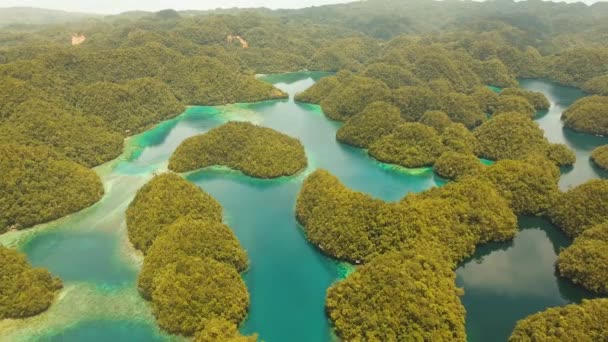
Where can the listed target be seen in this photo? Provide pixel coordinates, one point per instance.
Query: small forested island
(575, 322)
(600, 157)
(161, 202)
(24, 291)
(414, 290)
(39, 185)
(586, 261)
(192, 261)
(256, 151)
(581, 208)
(588, 115)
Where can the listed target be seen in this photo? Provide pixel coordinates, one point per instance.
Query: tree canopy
(24, 291)
(191, 237)
(453, 165)
(39, 185)
(256, 151)
(586, 260)
(410, 145)
(377, 120)
(588, 115)
(161, 202)
(581, 208)
(192, 290)
(530, 185)
(399, 296)
(600, 157)
(574, 322)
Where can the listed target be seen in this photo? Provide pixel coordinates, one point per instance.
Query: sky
(118, 6)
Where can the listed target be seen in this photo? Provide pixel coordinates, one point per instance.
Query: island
(192, 262)
(24, 291)
(256, 151)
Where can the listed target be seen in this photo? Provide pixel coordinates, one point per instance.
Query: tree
(161, 202)
(581, 208)
(377, 120)
(24, 291)
(192, 290)
(399, 296)
(574, 322)
(600, 157)
(410, 145)
(588, 115)
(191, 237)
(585, 261)
(38, 185)
(453, 165)
(256, 151)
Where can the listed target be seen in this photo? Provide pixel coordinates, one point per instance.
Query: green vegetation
(486, 98)
(192, 290)
(561, 155)
(414, 291)
(586, 261)
(410, 145)
(413, 102)
(163, 200)
(191, 237)
(24, 291)
(453, 165)
(576, 66)
(436, 119)
(538, 100)
(575, 322)
(458, 138)
(588, 115)
(208, 81)
(131, 107)
(597, 86)
(218, 329)
(79, 138)
(600, 157)
(256, 151)
(513, 104)
(581, 208)
(353, 94)
(377, 120)
(463, 109)
(516, 136)
(529, 185)
(353, 226)
(192, 261)
(319, 91)
(38, 185)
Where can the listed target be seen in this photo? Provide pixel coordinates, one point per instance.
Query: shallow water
(288, 277)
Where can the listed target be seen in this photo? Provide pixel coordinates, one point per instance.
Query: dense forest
(39, 185)
(416, 83)
(256, 151)
(24, 291)
(192, 261)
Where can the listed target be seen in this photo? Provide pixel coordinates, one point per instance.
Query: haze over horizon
(119, 6)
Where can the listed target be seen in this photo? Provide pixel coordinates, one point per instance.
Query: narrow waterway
(288, 277)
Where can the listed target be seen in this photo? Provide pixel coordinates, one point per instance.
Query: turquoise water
(288, 277)
(115, 331)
